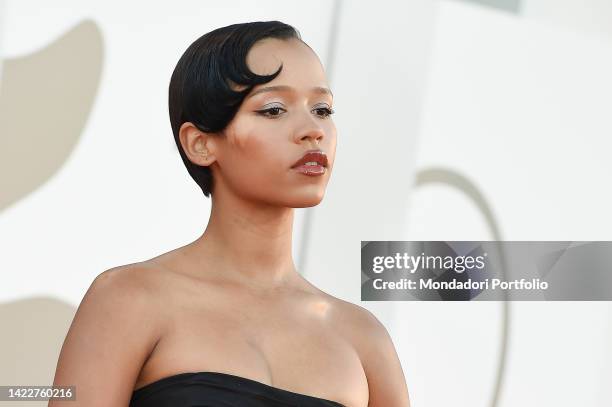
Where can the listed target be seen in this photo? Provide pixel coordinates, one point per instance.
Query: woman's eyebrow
(285, 88)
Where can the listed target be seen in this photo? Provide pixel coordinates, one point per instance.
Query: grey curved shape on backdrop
(449, 177)
(512, 6)
(45, 100)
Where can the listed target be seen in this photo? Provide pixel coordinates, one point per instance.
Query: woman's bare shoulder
(143, 277)
(113, 331)
(133, 293)
(128, 291)
(358, 325)
(360, 318)
(375, 347)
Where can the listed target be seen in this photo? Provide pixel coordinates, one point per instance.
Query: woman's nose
(311, 131)
(314, 135)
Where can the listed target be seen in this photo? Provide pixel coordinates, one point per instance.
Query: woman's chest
(292, 345)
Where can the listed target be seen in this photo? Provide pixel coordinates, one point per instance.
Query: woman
(227, 320)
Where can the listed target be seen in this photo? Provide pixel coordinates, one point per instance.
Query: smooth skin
(232, 301)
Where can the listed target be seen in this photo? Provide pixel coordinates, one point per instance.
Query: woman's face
(277, 123)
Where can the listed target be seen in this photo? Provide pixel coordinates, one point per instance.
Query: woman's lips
(313, 162)
(312, 170)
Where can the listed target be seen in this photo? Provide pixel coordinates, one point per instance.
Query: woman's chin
(307, 200)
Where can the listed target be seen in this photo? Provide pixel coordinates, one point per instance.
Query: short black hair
(201, 87)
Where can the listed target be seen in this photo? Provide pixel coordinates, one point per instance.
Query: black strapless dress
(215, 389)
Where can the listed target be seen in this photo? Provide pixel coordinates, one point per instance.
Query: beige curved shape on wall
(33, 331)
(45, 100)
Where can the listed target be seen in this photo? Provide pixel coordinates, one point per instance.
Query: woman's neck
(248, 242)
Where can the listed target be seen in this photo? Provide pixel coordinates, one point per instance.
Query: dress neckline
(175, 377)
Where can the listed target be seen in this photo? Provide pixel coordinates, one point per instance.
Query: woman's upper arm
(112, 333)
(386, 381)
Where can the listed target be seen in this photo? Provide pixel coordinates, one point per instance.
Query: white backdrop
(517, 103)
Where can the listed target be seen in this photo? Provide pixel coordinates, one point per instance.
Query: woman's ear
(197, 145)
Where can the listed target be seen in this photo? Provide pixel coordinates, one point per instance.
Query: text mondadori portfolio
(458, 264)
(469, 284)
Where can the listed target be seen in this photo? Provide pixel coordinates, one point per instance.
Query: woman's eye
(324, 111)
(275, 112)
(271, 112)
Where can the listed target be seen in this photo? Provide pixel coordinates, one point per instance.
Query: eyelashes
(326, 111)
(275, 112)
